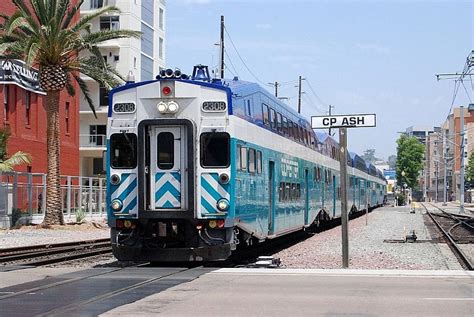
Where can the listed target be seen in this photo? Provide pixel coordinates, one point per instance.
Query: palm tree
(48, 34)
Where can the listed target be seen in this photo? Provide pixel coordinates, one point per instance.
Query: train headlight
(115, 179)
(162, 107)
(116, 205)
(172, 107)
(223, 204)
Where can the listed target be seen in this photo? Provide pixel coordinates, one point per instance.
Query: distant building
(144, 57)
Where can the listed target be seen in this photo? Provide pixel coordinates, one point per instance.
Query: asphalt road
(235, 292)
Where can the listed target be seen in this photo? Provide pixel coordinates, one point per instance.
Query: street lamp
(404, 187)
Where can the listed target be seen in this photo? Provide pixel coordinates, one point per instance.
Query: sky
(359, 56)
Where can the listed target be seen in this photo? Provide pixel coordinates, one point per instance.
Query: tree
(470, 170)
(8, 163)
(48, 34)
(392, 161)
(410, 153)
(369, 156)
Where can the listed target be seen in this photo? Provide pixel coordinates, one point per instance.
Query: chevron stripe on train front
(168, 190)
(126, 191)
(211, 192)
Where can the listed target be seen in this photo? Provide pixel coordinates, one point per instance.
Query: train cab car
(198, 166)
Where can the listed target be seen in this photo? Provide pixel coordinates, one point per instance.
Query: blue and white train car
(197, 166)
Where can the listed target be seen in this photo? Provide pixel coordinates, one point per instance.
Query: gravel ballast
(367, 249)
(32, 235)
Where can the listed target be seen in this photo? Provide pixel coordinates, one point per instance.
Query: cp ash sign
(343, 121)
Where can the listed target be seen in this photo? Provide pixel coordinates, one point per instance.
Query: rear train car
(196, 167)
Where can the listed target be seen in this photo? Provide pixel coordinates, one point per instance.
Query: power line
(230, 61)
(468, 96)
(241, 59)
(314, 93)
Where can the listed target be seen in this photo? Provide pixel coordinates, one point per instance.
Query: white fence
(22, 198)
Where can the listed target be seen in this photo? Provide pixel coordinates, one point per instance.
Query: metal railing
(23, 195)
(92, 140)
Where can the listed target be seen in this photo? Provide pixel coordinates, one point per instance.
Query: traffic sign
(343, 121)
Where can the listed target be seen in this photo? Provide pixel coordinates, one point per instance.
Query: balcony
(92, 141)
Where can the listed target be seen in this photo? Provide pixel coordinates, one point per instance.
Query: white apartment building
(144, 57)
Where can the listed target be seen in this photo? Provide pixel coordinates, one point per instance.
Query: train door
(271, 196)
(166, 168)
(306, 195)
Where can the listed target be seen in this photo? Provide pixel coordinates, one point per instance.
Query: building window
(103, 96)
(96, 4)
(66, 116)
(97, 134)
(6, 102)
(161, 16)
(160, 51)
(110, 23)
(98, 165)
(28, 108)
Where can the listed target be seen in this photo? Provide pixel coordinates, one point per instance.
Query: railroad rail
(38, 255)
(451, 240)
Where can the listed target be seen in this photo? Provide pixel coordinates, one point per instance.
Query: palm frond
(88, 18)
(18, 158)
(85, 91)
(71, 14)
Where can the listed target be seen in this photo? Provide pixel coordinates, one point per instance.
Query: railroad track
(454, 228)
(38, 255)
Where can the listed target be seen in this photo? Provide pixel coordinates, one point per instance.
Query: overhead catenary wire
(232, 64)
(241, 59)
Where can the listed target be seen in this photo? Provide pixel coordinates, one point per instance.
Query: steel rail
(71, 251)
(463, 259)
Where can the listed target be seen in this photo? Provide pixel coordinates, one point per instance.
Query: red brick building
(24, 113)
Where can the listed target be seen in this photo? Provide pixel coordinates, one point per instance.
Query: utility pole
(344, 218)
(299, 94)
(461, 176)
(275, 84)
(222, 46)
(436, 172)
(445, 145)
(330, 108)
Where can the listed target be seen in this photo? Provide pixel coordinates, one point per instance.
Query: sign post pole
(343, 122)
(344, 217)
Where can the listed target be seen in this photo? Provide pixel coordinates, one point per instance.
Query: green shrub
(80, 215)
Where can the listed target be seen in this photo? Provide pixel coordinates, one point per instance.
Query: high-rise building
(144, 57)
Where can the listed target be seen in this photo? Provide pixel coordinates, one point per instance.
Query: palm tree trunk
(53, 213)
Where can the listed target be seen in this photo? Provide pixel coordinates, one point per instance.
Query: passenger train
(197, 166)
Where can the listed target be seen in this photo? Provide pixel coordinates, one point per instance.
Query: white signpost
(343, 122)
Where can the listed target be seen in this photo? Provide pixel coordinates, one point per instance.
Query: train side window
(318, 174)
(298, 191)
(259, 162)
(243, 159)
(281, 192)
(215, 149)
(273, 119)
(295, 132)
(165, 149)
(123, 152)
(248, 111)
(252, 158)
(239, 149)
(290, 128)
(279, 120)
(265, 114)
(285, 125)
